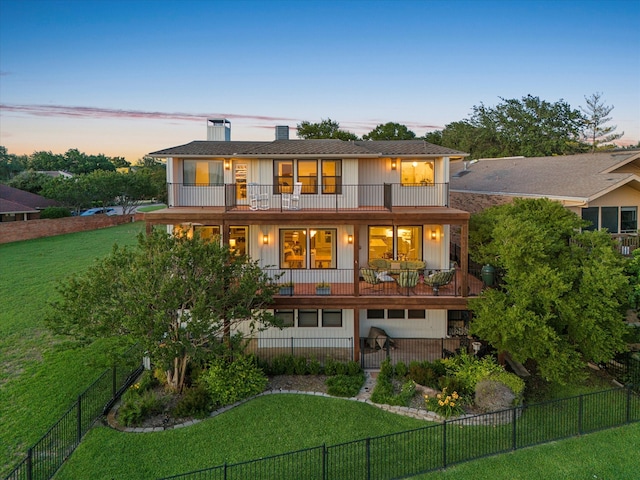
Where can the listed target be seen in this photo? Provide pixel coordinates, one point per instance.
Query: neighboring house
(16, 204)
(601, 187)
(369, 221)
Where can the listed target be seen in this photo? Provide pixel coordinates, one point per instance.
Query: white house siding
(433, 326)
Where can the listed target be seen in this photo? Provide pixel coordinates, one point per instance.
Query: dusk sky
(126, 78)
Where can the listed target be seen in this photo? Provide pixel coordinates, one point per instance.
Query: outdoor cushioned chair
(439, 279)
(408, 278)
(369, 276)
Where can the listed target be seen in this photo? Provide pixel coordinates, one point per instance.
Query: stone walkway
(364, 396)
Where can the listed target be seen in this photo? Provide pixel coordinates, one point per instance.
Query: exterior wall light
(394, 164)
(350, 239)
(434, 234)
(227, 164)
(265, 239)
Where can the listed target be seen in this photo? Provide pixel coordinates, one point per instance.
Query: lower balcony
(337, 282)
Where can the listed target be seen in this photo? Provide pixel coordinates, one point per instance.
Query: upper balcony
(260, 197)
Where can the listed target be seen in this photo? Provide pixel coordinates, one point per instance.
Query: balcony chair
(291, 201)
(257, 200)
(408, 279)
(439, 279)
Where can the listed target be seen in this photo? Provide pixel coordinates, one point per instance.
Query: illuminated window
(207, 232)
(323, 248)
(380, 242)
(293, 248)
(283, 175)
(203, 172)
(417, 173)
(238, 239)
(308, 175)
(399, 243)
(331, 177)
(409, 243)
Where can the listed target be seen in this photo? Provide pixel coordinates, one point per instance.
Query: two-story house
(358, 230)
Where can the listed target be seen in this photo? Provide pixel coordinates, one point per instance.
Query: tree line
(528, 126)
(93, 180)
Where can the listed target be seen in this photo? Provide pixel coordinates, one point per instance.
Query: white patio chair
(291, 201)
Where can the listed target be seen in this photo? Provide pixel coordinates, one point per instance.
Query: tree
(527, 126)
(10, 164)
(31, 181)
(561, 300)
(325, 129)
(390, 131)
(177, 296)
(596, 116)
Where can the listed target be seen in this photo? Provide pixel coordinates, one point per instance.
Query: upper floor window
(628, 219)
(400, 243)
(332, 177)
(313, 247)
(203, 172)
(415, 173)
(238, 239)
(287, 172)
(614, 219)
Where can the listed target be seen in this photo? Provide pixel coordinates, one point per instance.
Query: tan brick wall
(30, 229)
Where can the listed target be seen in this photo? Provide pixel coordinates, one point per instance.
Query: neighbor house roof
(14, 200)
(328, 147)
(582, 177)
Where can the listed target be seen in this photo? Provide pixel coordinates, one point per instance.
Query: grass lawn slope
(38, 379)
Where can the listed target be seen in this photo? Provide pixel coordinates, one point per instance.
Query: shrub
(137, 406)
(353, 368)
(300, 366)
(55, 212)
(195, 402)
(345, 385)
(147, 381)
(469, 370)
(283, 365)
(314, 367)
(385, 391)
(422, 374)
(513, 381)
(229, 382)
(401, 369)
(333, 367)
(492, 395)
(444, 404)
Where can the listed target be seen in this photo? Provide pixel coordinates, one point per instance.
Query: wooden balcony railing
(340, 197)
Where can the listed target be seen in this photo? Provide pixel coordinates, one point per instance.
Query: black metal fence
(47, 454)
(438, 446)
(625, 367)
(321, 349)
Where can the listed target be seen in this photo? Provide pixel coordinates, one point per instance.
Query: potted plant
(323, 288)
(286, 288)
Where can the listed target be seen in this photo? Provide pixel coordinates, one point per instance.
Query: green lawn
(39, 379)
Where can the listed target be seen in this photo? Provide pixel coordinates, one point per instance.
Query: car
(99, 211)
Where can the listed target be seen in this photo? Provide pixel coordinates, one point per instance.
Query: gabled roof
(14, 200)
(326, 147)
(582, 177)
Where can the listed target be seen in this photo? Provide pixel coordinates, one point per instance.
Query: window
(283, 176)
(377, 313)
(308, 175)
(238, 239)
(323, 248)
(610, 219)
(207, 232)
(332, 318)
(591, 214)
(628, 219)
(406, 244)
(307, 318)
(285, 316)
(203, 172)
(293, 248)
(380, 242)
(395, 313)
(415, 173)
(416, 314)
(331, 177)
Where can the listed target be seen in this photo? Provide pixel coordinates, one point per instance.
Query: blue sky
(127, 77)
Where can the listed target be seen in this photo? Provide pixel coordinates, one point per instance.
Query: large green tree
(177, 296)
(562, 295)
(528, 126)
(11, 164)
(596, 117)
(390, 131)
(325, 129)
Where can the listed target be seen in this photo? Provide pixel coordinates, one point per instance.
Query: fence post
(444, 444)
(580, 408)
(514, 436)
(368, 457)
(79, 418)
(30, 464)
(292, 346)
(224, 471)
(324, 461)
(628, 403)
